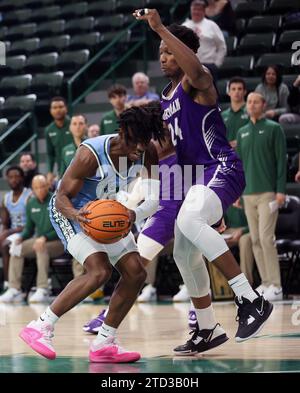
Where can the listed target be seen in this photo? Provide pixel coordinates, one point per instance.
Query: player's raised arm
(84, 165)
(196, 74)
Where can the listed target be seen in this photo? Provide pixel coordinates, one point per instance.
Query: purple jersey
(198, 131)
(199, 136)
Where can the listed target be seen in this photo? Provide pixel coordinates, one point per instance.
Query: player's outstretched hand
(151, 16)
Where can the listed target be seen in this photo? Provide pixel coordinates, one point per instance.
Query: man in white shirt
(212, 44)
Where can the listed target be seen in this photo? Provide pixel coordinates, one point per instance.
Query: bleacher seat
(76, 10)
(16, 106)
(70, 62)
(128, 6)
(115, 22)
(47, 85)
(222, 90)
(14, 65)
(16, 17)
(88, 41)
(256, 43)
(82, 25)
(231, 44)
(249, 9)
(286, 39)
(240, 26)
(24, 47)
(284, 60)
(15, 85)
(289, 80)
(54, 44)
(22, 31)
(42, 63)
(251, 82)
(291, 129)
(292, 22)
(6, 6)
(283, 6)
(101, 8)
(264, 24)
(52, 28)
(236, 66)
(3, 124)
(45, 14)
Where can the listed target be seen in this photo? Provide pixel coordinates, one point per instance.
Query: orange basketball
(109, 221)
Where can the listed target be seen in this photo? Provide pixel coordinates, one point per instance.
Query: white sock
(48, 316)
(105, 312)
(206, 317)
(192, 307)
(105, 332)
(241, 287)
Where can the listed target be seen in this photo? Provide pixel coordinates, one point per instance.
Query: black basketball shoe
(251, 316)
(202, 340)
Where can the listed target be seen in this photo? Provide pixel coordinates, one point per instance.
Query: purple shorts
(228, 182)
(160, 227)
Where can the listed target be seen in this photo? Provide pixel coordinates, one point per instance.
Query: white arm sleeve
(150, 190)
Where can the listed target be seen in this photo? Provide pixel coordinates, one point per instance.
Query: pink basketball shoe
(39, 338)
(111, 352)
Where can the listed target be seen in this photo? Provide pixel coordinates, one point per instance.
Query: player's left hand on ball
(81, 215)
(150, 15)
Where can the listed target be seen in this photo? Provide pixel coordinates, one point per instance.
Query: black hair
(278, 78)
(186, 35)
(58, 98)
(237, 79)
(15, 168)
(145, 122)
(116, 90)
(27, 153)
(278, 74)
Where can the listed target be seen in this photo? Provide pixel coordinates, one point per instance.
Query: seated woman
(274, 91)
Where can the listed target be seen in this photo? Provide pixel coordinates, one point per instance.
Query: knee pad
(191, 265)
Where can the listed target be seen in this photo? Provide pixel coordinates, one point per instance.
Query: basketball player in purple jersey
(198, 133)
(158, 230)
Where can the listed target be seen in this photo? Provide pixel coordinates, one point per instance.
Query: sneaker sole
(239, 339)
(111, 359)
(215, 343)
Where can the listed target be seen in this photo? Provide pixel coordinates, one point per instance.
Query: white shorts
(82, 246)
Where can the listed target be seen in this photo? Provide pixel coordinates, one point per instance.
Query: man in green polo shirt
(117, 97)
(57, 135)
(261, 145)
(236, 115)
(38, 239)
(78, 129)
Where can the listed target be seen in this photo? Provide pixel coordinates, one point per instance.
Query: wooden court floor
(154, 330)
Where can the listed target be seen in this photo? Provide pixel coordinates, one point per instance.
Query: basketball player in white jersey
(96, 173)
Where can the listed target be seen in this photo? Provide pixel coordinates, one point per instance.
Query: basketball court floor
(154, 330)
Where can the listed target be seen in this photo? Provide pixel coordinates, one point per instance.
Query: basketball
(109, 221)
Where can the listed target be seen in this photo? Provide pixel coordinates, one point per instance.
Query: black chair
(52, 28)
(264, 24)
(287, 233)
(14, 66)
